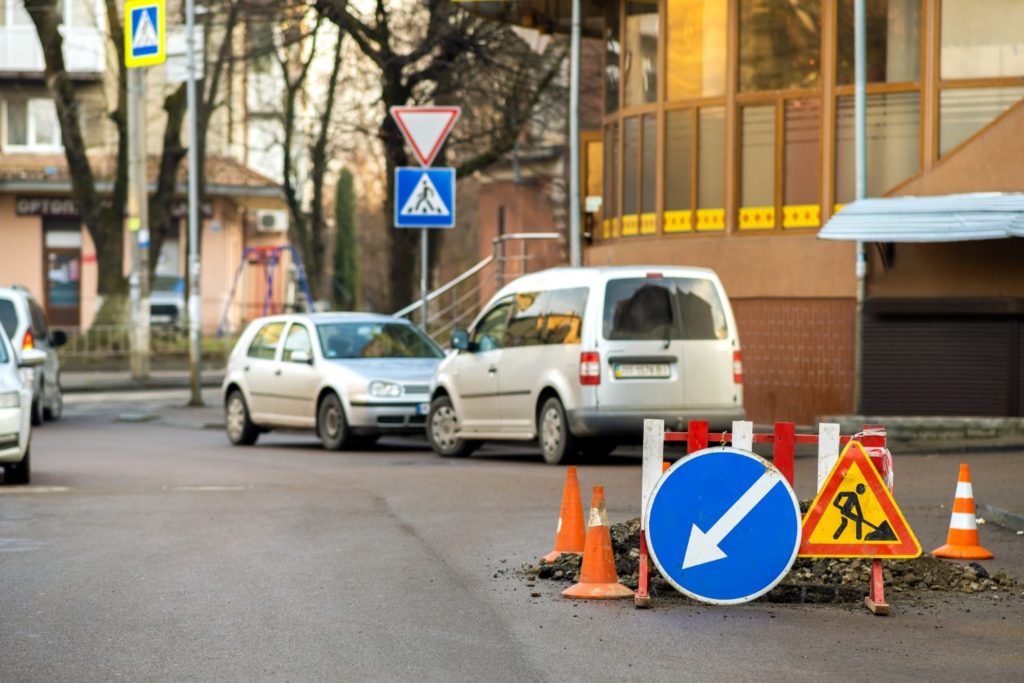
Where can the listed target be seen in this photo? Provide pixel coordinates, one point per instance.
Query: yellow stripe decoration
(801, 216)
(678, 221)
(630, 225)
(757, 217)
(710, 219)
(606, 228)
(648, 223)
(615, 227)
(836, 208)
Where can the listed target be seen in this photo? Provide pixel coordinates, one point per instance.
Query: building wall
(21, 248)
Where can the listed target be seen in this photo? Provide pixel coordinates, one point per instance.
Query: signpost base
(642, 597)
(875, 602)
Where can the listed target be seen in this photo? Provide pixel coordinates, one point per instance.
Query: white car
(24, 322)
(15, 412)
(352, 377)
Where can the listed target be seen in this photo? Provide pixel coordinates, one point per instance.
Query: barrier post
(875, 600)
(784, 450)
(654, 457)
(697, 436)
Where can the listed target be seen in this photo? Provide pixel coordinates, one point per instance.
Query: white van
(578, 358)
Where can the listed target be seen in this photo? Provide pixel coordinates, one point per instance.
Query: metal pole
(575, 258)
(860, 138)
(138, 224)
(194, 312)
(424, 267)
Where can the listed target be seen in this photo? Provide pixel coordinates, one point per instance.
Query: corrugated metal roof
(946, 218)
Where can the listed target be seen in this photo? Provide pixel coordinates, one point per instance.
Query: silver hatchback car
(352, 377)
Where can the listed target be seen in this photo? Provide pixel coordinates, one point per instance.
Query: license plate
(422, 408)
(641, 370)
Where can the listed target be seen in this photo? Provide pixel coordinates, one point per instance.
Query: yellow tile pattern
(801, 216)
(757, 217)
(678, 221)
(630, 225)
(648, 223)
(710, 219)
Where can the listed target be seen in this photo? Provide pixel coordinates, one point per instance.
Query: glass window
(611, 155)
(678, 157)
(43, 115)
(650, 183)
(8, 317)
(780, 44)
(641, 60)
(630, 142)
(964, 112)
(711, 158)
(611, 57)
(20, 17)
(3, 342)
(663, 308)
(757, 185)
(893, 41)
(264, 345)
(982, 39)
(526, 325)
(17, 122)
(488, 333)
(564, 320)
(297, 340)
(893, 143)
(802, 184)
(3, 20)
(39, 327)
(375, 340)
(695, 51)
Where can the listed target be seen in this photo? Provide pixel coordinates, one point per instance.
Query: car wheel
(331, 425)
(557, 444)
(54, 411)
(240, 429)
(37, 408)
(20, 472)
(442, 424)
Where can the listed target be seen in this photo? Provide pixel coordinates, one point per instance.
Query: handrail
(445, 287)
(527, 236)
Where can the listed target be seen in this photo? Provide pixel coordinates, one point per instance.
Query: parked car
(15, 412)
(352, 377)
(577, 358)
(167, 301)
(24, 321)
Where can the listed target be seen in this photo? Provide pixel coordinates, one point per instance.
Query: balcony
(84, 43)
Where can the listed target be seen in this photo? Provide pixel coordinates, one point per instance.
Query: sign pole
(138, 224)
(424, 279)
(194, 312)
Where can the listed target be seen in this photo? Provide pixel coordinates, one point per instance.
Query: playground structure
(267, 260)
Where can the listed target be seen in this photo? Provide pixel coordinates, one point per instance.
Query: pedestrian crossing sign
(144, 33)
(855, 515)
(424, 197)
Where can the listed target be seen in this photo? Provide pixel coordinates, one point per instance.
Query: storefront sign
(64, 207)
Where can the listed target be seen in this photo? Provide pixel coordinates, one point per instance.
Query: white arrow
(703, 547)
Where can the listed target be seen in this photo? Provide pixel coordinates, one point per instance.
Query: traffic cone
(570, 535)
(962, 541)
(598, 579)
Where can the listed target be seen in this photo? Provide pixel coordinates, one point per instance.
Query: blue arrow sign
(723, 526)
(424, 197)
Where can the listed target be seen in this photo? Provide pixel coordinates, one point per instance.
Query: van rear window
(663, 308)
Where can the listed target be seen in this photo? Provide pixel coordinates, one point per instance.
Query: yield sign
(425, 128)
(855, 515)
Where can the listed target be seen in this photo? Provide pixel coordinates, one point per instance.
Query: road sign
(424, 197)
(425, 128)
(855, 515)
(144, 33)
(723, 525)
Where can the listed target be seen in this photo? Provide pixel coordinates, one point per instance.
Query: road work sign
(425, 128)
(855, 515)
(144, 33)
(424, 197)
(723, 525)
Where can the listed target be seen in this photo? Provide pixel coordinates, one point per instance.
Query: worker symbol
(848, 504)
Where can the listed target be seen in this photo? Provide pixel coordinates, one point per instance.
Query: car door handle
(492, 370)
(246, 368)
(278, 371)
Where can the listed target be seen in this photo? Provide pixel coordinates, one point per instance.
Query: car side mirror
(31, 358)
(58, 338)
(301, 357)
(460, 339)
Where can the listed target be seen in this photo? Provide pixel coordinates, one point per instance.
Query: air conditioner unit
(271, 220)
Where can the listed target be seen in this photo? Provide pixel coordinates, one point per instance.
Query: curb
(1004, 518)
(100, 385)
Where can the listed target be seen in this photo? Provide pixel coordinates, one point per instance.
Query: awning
(946, 218)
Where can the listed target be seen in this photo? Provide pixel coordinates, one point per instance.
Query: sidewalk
(121, 380)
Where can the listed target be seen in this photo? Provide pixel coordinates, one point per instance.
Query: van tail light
(737, 367)
(28, 341)
(590, 368)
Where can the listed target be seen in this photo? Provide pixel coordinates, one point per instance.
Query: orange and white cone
(598, 578)
(962, 543)
(570, 535)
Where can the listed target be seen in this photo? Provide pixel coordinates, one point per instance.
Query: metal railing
(113, 342)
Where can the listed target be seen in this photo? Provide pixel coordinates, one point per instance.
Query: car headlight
(10, 399)
(385, 389)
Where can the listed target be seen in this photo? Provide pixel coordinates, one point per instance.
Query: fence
(111, 344)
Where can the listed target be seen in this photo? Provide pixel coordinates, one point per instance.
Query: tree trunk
(161, 223)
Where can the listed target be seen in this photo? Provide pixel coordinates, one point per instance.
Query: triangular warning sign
(425, 128)
(855, 515)
(145, 33)
(424, 200)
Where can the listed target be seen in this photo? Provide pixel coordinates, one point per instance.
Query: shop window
(893, 143)
(801, 191)
(641, 59)
(32, 124)
(964, 112)
(711, 169)
(678, 165)
(757, 168)
(611, 180)
(648, 176)
(982, 39)
(893, 41)
(695, 48)
(630, 145)
(611, 57)
(780, 44)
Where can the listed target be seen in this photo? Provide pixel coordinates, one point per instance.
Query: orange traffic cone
(598, 579)
(570, 534)
(962, 541)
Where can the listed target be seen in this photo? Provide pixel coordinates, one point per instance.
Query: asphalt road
(153, 550)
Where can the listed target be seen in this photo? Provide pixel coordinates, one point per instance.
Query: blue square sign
(424, 197)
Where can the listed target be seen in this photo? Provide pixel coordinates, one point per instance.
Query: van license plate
(635, 370)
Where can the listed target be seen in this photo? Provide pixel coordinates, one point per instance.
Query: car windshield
(8, 317)
(375, 340)
(169, 283)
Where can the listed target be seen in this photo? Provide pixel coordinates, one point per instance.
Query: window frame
(31, 145)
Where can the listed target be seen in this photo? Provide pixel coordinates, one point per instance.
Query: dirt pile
(810, 580)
